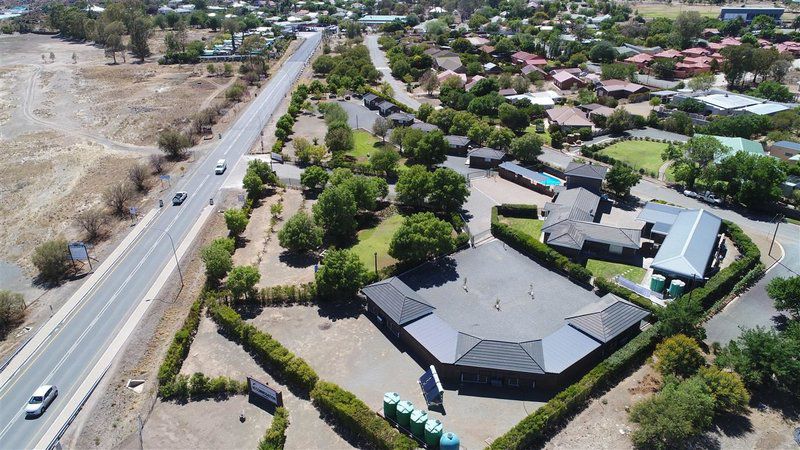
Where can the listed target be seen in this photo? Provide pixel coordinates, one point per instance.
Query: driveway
(358, 115)
(380, 62)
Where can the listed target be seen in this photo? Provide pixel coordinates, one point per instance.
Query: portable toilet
(449, 441)
(404, 408)
(418, 419)
(433, 432)
(390, 400)
(676, 288)
(657, 283)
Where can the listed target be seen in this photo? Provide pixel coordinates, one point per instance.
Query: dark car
(179, 198)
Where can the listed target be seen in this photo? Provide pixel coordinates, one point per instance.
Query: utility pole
(174, 253)
(778, 220)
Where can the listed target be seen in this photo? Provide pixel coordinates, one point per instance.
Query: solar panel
(432, 389)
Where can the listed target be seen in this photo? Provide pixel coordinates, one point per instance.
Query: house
(567, 81)
(450, 74)
(385, 108)
(371, 101)
(473, 82)
(545, 102)
(572, 226)
(658, 219)
(485, 158)
(568, 118)
(536, 181)
(423, 126)
(696, 51)
(588, 176)
(450, 63)
(748, 13)
(458, 144)
(506, 92)
(521, 57)
(487, 49)
(477, 41)
(765, 109)
(736, 145)
(784, 150)
(530, 68)
(491, 68)
(619, 88)
(668, 54)
(791, 184)
(641, 60)
(689, 248)
(401, 119)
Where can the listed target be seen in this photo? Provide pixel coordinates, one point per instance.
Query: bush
(347, 411)
(168, 385)
(275, 438)
(678, 355)
(12, 311)
(51, 259)
(603, 286)
(281, 295)
(264, 348)
(518, 210)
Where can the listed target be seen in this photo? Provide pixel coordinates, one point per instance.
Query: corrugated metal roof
(397, 300)
(436, 335)
(689, 245)
(787, 144)
(564, 347)
(489, 354)
(608, 319)
(594, 171)
(660, 215)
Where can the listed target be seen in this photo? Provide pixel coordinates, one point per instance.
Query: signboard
(78, 252)
(265, 392)
(133, 210)
(164, 177)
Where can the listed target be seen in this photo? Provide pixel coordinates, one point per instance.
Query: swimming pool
(546, 179)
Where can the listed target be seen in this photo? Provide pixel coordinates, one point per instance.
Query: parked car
(710, 198)
(40, 400)
(179, 198)
(220, 168)
(689, 193)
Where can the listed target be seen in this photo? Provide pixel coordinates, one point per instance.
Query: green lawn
(377, 239)
(606, 269)
(639, 154)
(545, 136)
(651, 11)
(364, 144)
(532, 227)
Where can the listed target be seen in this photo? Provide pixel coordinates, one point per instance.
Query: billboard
(265, 392)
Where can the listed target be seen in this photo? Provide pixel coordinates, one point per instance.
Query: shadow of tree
(297, 260)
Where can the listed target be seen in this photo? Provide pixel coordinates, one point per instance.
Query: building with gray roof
(688, 250)
(588, 176)
(424, 126)
(485, 158)
(458, 144)
(658, 219)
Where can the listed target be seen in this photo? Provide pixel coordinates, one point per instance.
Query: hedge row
(275, 438)
(541, 252)
(534, 429)
(292, 368)
(351, 413)
(200, 386)
(400, 105)
(289, 294)
(518, 210)
(178, 350)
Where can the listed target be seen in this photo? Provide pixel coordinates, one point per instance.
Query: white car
(40, 400)
(220, 168)
(691, 194)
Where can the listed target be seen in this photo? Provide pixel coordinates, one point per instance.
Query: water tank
(657, 283)
(418, 419)
(390, 400)
(449, 441)
(676, 288)
(433, 432)
(404, 408)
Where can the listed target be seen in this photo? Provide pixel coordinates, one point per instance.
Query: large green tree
(236, 220)
(785, 292)
(218, 261)
(526, 148)
(300, 233)
(413, 186)
(448, 190)
(242, 281)
(341, 275)
(335, 211)
(421, 236)
(678, 355)
(140, 33)
(51, 260)
(621, 178)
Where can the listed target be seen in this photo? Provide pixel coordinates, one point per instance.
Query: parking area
(486, 192)
(346, 347)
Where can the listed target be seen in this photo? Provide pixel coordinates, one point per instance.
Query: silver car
(40, 400)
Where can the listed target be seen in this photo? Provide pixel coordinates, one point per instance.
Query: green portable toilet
(390, 400)
(433, 432)
(657, 283)
(418, 419)
(449, 441)
(676, 288)
(404, 408)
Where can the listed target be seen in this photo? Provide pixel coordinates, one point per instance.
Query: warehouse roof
(689, 245)
(397, 300)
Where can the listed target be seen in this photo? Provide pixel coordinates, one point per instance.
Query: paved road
(74, 348)
(380, 62)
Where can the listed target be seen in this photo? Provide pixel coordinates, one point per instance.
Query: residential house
(491, 68)
(736, 145)
(641, 60)
(536, 181)
(785, 150)
(485, 158)
(401, 119)
(371, 101)
(487, 49)
(658, 219)
(385, 108)
(522, 57)
(668, 54)
(567, 81)
(478, 41)
(588, 176)
(442, 76)
(473, 82)
(568, 118)
(450, 63)
(688, 250)
(459, 145)
(507, 92)
(530, 68)
(423, 126)
(619, 88)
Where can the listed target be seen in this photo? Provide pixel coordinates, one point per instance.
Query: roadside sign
(133, 210)
(164, 177)
(78, 252)
(261, 390)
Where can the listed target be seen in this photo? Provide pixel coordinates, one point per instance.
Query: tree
(92, 221)
(448, 190)
(314, 178)
(51, 259)
(678, 355)
(620, 120)
(413, 186)
(424, 112)
(526, 148)
(603, 52)
(232, 26)
(242, 280)
(137, 174)
(341, 275)
(687, 27)
(335, 211)
(12, 311)
(512, 117)
(764, 358)
(218, 261)
(430, 150)
(253, 185)
(772, 90)
(300, 234)
(366, 191)
(479, 132)
(429, 81)
(306, 152)
(702, 81)
(752, 180)
(618, 71)
(173, 143)
(140, 33)
(421, 236)
(681, 317)
(339, 139)
(384, 160)
(785, 292)
(500, 138)
(621, 178)
(113, 45)
(381, 128)
(236, 221)
(727, 389)
(117, 197)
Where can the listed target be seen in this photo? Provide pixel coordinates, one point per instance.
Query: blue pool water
(545, 179)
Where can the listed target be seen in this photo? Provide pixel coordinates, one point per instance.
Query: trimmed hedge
(200, 386)
(288, 294)
(518, 210)
(538, 250)
(275, 438)
(178, 351)
(351, 413)
(292, 368)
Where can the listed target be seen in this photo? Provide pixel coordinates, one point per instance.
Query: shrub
(348, 411)
(275, 438)
(51, 259)
(168, 385)
(678, 355)
(12, 311)
(278, 295)
(518, 210)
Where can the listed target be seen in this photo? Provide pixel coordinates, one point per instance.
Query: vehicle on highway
(179, 197)
(220, 168)
(40, 400)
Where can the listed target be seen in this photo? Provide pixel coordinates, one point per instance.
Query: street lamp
(175, 253)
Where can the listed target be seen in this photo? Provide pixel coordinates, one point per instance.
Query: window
(512, 382)
(471, 377)
(615, 249)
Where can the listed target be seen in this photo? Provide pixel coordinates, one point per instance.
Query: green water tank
(404, 408)
(657, 283)
(417, 420)
(449, 441)
(676, 288)
(433, 432)
(390, 400)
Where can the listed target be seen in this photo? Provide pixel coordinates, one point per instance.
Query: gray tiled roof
(571, 204)
(608, 319)
(401, 116)
(368, 97)
(489, 354)
(564, 347)
(386, 105)
(594, 171)
(436, 335)
(426, 127)
(397, 300)
(688, 247)
(573, 234)
(457, 141)
(486, 152)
